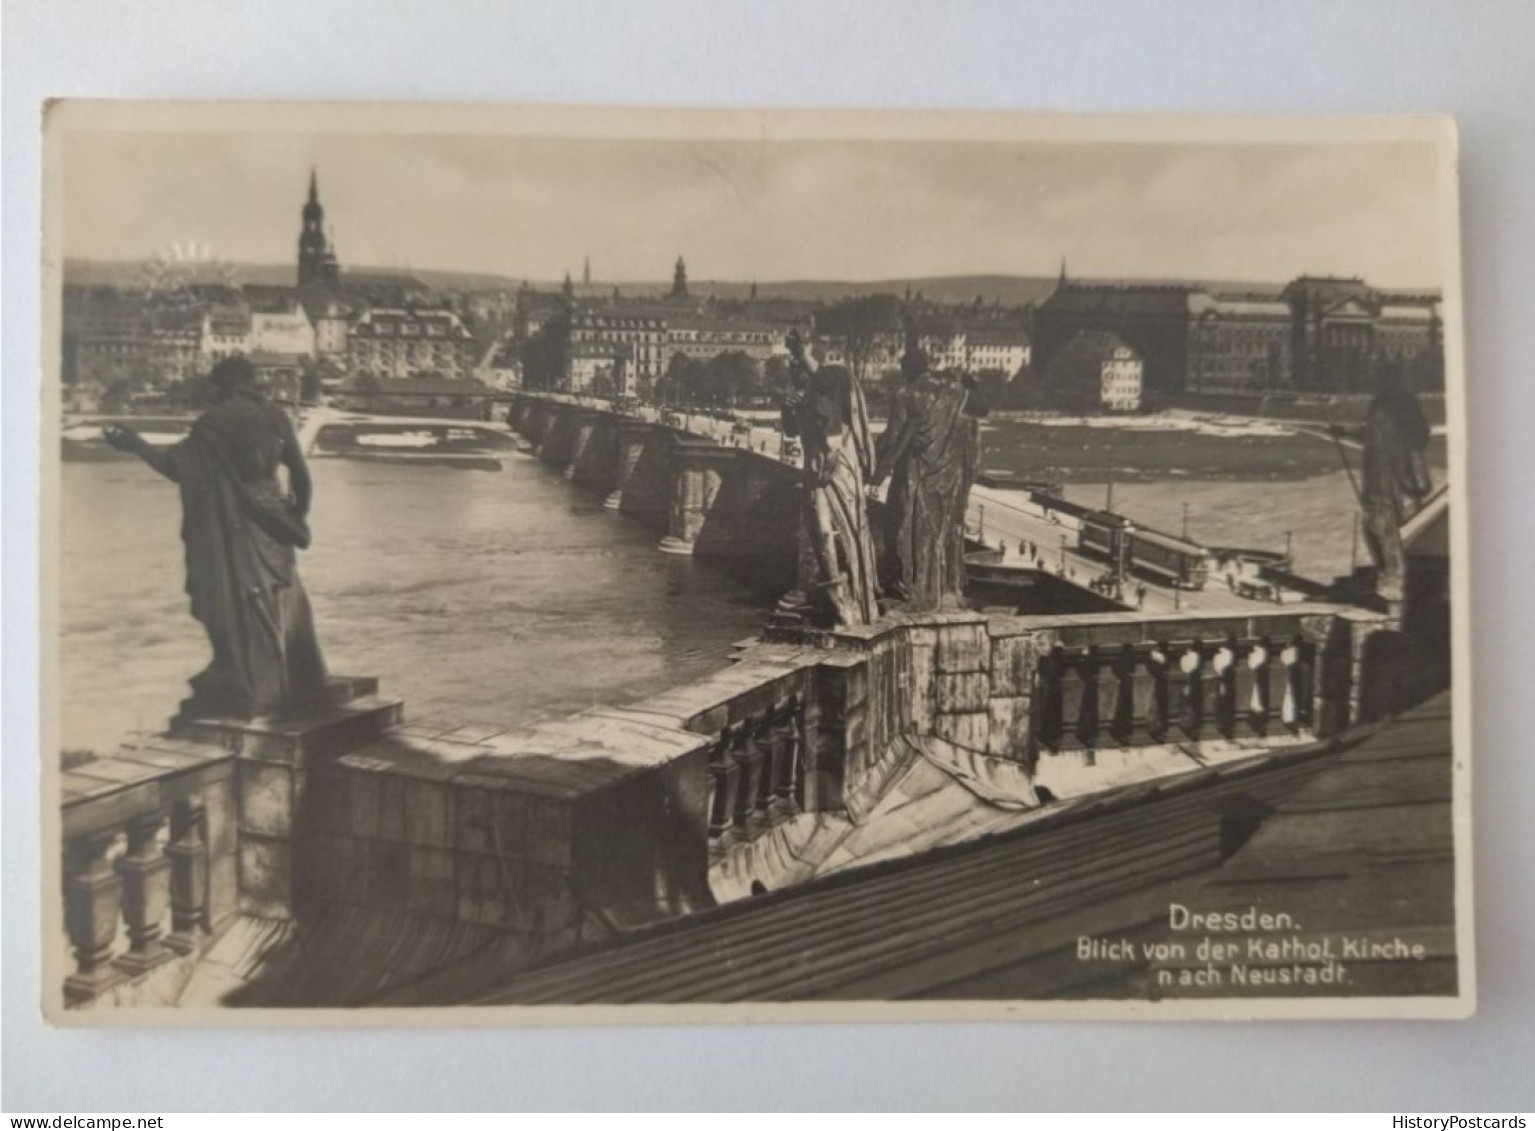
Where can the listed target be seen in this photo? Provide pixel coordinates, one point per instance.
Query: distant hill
(1008, 290)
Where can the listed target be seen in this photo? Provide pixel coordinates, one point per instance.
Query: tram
(1113, 538)
(1181, 563)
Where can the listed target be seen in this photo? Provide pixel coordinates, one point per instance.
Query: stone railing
(149, 859)
(1027, 688)
(756, 773)
(614, 818)
(166, 839)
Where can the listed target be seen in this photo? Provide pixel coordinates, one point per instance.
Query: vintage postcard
(527, 565)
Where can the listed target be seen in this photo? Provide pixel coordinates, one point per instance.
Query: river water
(508, 596)
(485, 596)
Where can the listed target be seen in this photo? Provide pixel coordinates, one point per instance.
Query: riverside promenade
(356, 855)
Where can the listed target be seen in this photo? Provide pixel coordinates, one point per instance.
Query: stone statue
(241, 530)
(826, 411)
(930, 452)
(1395, 479)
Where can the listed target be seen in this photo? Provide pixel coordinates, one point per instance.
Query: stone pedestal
(273, 759)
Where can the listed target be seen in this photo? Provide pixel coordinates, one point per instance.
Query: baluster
(1106, 706)
(721, 783)
(1143, 689)
(1049, 697)
(1209, 690)
(1332, 663)
(787, 784)
(1303, 679)
(188, 853)
(765, 756)
(1159, 667)
(1191, 718)
(1183, 691)
(145, 870)
(1250, 691)
(745, 769)
(1224, 664)
(1093, 679)
(1122, 718)
(1275, 680)
(1289, 710)
(92, 910)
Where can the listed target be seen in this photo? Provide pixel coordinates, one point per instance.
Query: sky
(738, 210)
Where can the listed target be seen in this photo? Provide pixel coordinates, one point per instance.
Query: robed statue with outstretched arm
(242, 526)
(930, 452)
(826, 411)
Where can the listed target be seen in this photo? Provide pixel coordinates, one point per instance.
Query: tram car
(1113, 539)
(1103, 535)
(1181, 563)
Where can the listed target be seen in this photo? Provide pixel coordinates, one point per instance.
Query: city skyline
(774, 212)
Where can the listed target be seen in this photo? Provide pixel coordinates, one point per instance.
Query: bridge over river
(580, 433)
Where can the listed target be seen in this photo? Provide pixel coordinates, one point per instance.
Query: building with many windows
(1119, 377)
(1238, 344)
(226, 331)
(1002, 348)
(1321, 334)
(112, 336)
(282, 332)
(700, 337)
(1342, 330)
(601, 368)
(640, 333)
(1094, 371)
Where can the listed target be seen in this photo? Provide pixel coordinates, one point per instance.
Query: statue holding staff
(1395, 480)
(826, 411)
(930, 452)
(242, 528)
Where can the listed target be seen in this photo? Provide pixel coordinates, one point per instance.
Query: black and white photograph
(511, 565)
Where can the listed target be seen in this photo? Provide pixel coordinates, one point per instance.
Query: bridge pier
(629, 440)
(585, 444)
(698, 472)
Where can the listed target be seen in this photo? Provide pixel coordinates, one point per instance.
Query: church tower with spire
(680, 279)
(317, 266)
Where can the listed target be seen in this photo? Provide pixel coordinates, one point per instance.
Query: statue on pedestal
(242, 527)
(930, 452)
(1395, 479)
(826, 411)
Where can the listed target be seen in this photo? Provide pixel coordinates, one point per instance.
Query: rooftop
(1359, 835)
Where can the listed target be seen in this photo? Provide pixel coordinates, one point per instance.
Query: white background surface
(1474, 60)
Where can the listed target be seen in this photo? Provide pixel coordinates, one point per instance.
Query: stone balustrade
(167, 838)
(1175, 691)
(756, 773)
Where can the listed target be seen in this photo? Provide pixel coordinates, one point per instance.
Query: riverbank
(1166, 446)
